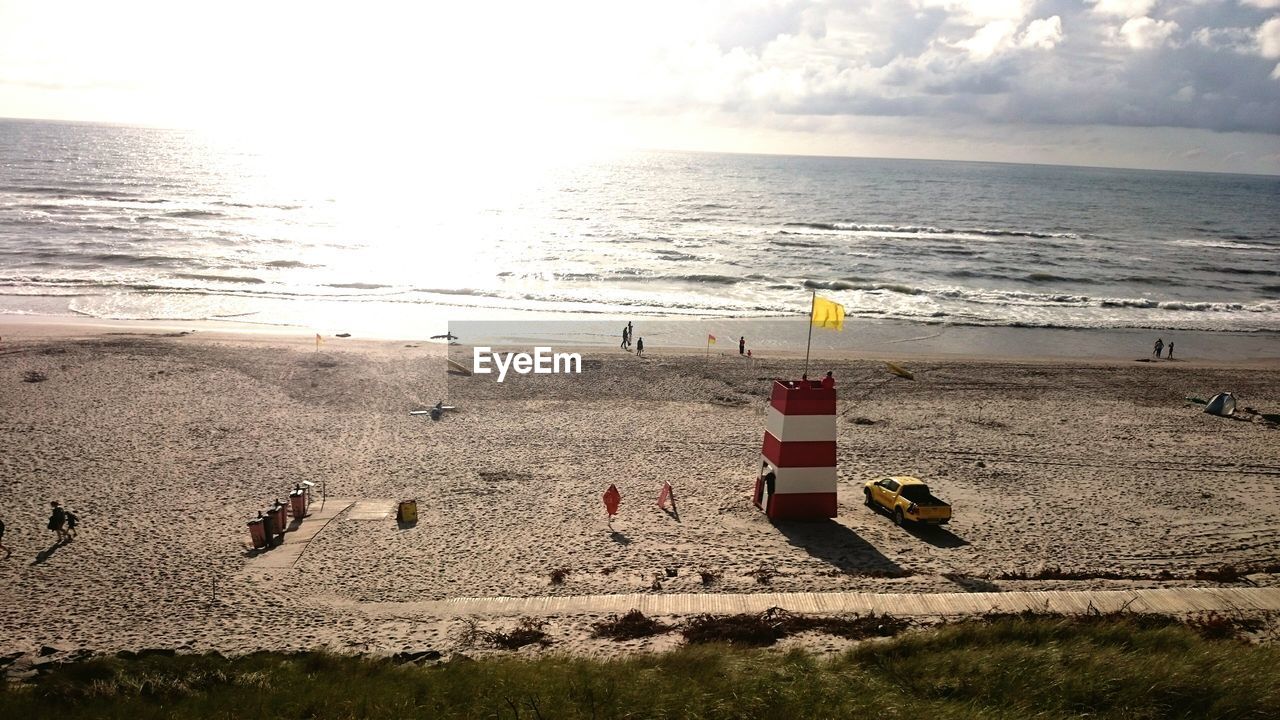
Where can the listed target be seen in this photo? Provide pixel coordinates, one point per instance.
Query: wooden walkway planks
(1162, 600)
(285, 555)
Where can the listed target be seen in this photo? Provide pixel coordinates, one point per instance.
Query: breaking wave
(926, 230)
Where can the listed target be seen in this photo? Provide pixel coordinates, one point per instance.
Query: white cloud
(990, 39)
(980, 12)
(1266, 4)
(1001, 35)
(1044, 33)
(1269, 38)
(1123, 8)
(1046, 63)
(1144, 33)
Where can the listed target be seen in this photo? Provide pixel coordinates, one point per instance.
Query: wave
(1043, 277)
(631, 275)
(927, 230)
(1222, 244)
(1190, 306)
(703, 278)
(674, 255)
(857, 285)
(194, 214)
(287, 264)
(273, 206)
(123, 259)
(795, 243)
(1269, 272)
(221, 278)
(357, 286)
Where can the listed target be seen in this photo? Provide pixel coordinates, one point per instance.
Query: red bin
(275, 516)
(298, 504)
(257, 534)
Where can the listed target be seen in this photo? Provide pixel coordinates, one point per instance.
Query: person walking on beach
(828, 382)
(640, 346)
(7, 551)
(1170, 356)
(72, 521)
(57, 519)
(742, 345)
(626, 337)
(1159, 347)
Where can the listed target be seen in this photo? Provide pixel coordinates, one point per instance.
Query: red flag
(664, 494)
(611, 499)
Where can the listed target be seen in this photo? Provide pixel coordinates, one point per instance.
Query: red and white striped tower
(799, 452)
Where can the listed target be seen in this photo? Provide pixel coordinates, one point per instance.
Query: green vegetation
(1006, 667)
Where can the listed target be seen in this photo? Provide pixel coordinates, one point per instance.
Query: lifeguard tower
(797, 478)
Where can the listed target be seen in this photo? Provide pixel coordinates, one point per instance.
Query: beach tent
(1221, 404)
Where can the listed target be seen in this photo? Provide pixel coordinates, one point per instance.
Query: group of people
(61, 520)
(626, 340)
(1161, 346)
(828, 382)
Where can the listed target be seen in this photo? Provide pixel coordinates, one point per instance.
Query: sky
(1164, 84)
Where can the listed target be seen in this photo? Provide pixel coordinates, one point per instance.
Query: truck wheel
(866, 497)
(897, 516)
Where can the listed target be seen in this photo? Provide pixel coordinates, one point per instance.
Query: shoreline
(783, 338)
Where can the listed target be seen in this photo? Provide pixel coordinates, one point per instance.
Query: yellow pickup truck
(906, 498)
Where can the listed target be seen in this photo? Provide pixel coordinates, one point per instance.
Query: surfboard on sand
(457, 367)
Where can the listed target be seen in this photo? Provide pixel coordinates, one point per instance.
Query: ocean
(133, 223)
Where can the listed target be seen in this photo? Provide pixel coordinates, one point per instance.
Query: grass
(1007, 667)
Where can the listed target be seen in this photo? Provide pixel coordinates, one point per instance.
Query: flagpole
(813, 304)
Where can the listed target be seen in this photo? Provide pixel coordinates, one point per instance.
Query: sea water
(121, 222)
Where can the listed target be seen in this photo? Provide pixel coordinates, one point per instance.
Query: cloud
(1232, 39)
(1269, 38)
(1144, 33)
(1044, 33)
(1054, 62)
(990, 39)
(1136, 65)
(981, 12)
(1123, 8)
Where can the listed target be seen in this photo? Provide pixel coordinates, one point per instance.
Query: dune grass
(1005, 668)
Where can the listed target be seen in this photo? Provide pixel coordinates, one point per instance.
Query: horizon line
(757, 153)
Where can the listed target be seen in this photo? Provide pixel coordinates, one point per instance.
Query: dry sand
(167, 444)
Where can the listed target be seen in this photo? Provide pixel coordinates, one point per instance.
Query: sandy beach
(165, 443)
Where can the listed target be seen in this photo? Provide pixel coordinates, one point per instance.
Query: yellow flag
(900, 371)
(828, 314)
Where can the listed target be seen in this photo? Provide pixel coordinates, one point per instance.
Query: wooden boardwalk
(1173, 601)
(285, 555)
